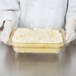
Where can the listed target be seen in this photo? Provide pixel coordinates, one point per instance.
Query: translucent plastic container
(37, 47)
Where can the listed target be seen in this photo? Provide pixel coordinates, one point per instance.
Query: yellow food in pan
(36, 35)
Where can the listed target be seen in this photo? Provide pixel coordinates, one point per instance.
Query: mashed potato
(36, 35)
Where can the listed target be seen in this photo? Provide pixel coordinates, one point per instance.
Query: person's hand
(70, 32)
(8, 27)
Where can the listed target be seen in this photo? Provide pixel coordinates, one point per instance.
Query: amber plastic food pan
(37, 47)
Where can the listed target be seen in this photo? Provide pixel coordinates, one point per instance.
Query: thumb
(67, 36)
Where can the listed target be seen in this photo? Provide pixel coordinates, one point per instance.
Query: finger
(67, 36)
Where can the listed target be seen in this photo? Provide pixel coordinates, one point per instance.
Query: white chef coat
(38, 13)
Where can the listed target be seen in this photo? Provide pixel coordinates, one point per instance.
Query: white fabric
(38, 13)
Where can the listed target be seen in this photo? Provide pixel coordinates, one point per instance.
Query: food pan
(37, 47)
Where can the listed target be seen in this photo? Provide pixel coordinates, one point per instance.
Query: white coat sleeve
(71, 12)
(9, 10)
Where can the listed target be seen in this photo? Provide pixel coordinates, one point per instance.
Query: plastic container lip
(36, 43)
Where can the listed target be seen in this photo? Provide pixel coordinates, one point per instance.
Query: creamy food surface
(37, 35)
